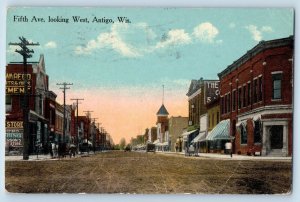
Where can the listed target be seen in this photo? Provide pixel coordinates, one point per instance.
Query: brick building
(256, 96)
(162, 125)
(37, 81)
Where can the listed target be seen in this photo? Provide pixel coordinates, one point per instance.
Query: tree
(122, 143)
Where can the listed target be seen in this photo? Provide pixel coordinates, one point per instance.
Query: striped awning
(220, 132)
(186, 134)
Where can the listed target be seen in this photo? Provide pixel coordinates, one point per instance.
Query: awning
(33, 116)
(186, 134)
(200, 137)
(156, 142)
(164, 144)
(220, 131)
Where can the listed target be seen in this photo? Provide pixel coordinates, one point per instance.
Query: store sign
(14, 133)
(15, 83)
(212, 91)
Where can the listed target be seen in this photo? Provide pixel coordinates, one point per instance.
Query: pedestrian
(51, 150)
(228, 148)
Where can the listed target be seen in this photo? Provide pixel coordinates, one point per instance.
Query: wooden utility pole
(77, 125)
(26, 53)
(64, 84)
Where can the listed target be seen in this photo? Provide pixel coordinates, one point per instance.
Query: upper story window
(8, 103)
(249, 94)
(255, 91)
(260, 90)
(233, 100)
(240, 98)
(276, 82)
(244, 96)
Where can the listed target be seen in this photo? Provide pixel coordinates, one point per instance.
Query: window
(233, 100)
(276, 78)
(257, 135)
(225, 104)
(243, 134)
(260, 92)
(213, 119)
(222, 105)
(255, 91)
(218, 117)
(8, 103)
(228, 103)
(244, 96)
(249, 94)
(240, 98)
(208, 120)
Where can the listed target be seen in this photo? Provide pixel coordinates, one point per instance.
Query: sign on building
(212, 91)
(14, 133)
(15, 83)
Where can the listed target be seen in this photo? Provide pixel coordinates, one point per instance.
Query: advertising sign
(14, 133)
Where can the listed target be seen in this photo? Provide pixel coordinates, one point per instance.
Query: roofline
(261, 46)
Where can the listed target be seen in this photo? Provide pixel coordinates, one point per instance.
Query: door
(276, 137)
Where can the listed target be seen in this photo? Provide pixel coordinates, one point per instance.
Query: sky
(119, 68)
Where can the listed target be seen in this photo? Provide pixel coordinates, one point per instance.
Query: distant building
(257, 97)
(176, 127)
(162, 125)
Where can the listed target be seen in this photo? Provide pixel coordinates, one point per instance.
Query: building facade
(176, 127)
(256, 95)
(37, 83)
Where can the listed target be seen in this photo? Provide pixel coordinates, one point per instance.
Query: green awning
(220, 132)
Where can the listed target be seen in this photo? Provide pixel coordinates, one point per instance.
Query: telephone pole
(64, 84)
(77, 125)
(93, 132)
(88, 113)
(26, 53)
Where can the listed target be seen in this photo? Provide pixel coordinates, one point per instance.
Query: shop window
(257, 131)
(243, 134)
(276, 78)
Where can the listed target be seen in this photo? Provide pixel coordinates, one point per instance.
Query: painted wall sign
(15, 83)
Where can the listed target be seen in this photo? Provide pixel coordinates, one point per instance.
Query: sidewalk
(44, 157)
(226, 156)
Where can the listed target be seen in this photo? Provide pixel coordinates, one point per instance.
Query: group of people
(61, 150)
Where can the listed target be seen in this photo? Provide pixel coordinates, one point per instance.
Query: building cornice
(263, 45)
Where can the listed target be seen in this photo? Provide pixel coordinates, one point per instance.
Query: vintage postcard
(149, 100)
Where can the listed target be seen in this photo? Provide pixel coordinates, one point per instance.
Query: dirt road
(132, 172)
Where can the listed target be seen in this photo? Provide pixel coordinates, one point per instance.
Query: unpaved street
(133, 172)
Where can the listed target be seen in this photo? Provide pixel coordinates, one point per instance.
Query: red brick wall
(262, 64)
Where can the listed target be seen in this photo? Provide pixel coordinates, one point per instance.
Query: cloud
(51, 44)
(205, 32)
(112, 39)
(256, 33)
(174, 37)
